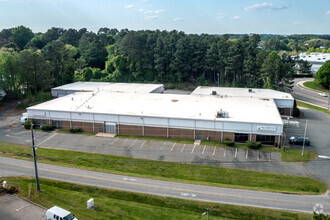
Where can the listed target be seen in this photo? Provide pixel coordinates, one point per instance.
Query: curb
(312, 104)
(301, 85)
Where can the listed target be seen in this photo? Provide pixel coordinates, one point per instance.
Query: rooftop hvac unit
(214, 93)
(222, 114)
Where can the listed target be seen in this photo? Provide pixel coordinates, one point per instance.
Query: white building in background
(316, 59)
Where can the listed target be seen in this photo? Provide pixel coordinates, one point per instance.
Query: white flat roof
(167, 105)
(242, 92)
(111, 87)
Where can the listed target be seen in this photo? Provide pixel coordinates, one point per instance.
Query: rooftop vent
(222, 114)
(250, 90)
(214, 93)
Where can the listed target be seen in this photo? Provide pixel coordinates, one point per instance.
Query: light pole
(302, 151)
(328, 97)
(207, 212)
(35, 159)
(286, 134)
(218, 79)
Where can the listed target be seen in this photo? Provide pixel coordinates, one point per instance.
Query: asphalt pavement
(308, 95)
(301, 203)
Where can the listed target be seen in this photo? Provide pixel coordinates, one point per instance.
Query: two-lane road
(308, 95)
(302, 203)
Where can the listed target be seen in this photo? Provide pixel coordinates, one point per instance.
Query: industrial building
(142, 109)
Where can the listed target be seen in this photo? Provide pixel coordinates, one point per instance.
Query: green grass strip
(115, 204)
(294, 155)
(313, 107)
(314, 86)
(180, 172)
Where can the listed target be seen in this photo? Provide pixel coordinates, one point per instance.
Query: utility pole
(303, 148)
(207, 212)
(35, 159)
(286, 134)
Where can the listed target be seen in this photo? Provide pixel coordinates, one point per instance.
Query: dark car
(299, 140)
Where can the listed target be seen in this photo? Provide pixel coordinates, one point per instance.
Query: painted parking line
(236, 153)
(46, 139)
(193, 148)
(183, 147)
(224, 153)
(257, 155)
(142, 144)
(114, 141)
(246, 153)
(162, 145)
(214, 151)
(173, 146)
(124, 142)
(133, 142)
(22, 132)
(204, 149)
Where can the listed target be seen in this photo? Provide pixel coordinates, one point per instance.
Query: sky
(190, 16)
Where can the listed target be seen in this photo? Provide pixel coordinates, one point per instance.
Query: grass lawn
(313, 107)
(180, 172)
(294, 155)
(315, 86)
(114, 204)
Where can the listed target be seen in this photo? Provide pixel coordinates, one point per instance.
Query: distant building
(209, 113)
(316, 59)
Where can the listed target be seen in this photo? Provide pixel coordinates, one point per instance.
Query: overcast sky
(190, 16)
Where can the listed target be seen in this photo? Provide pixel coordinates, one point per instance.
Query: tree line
(34, 62)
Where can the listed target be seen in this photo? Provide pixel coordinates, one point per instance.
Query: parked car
(299, 140)
(57, 213)
(323, 94)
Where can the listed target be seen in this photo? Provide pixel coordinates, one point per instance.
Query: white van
(57, 213)
(23, 118)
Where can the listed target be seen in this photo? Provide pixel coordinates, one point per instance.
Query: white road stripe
(114, 140)
(124, 142)
(224, 153)
(22, 132)
(236, 153)
(325, 157)
(134, 142)
(46, 140)
(214, 151)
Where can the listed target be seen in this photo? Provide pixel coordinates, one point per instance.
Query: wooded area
(33, 62)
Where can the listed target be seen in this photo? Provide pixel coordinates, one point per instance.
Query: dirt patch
(10, 116)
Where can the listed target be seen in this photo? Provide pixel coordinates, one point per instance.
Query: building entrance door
(110, 128)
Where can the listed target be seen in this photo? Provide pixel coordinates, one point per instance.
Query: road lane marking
(142, 144)
(183, 147)
(157, 186)
(214, 151)
(193, 148)
(204, 149)
(173, 146)
(46, 139)
(325, 157)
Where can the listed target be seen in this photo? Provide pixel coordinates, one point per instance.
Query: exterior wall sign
(266, 128)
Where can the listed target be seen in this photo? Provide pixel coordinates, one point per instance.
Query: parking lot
(13, 207)
(135, 148)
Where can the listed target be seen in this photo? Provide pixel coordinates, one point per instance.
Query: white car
(323, 94)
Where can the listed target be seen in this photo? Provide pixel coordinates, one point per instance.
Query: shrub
(228, 142)
(253, 144)
(170, 86)
(74, 130)
(27, 125)
(47, 127)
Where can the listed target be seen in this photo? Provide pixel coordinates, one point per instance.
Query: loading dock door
(110, 128)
